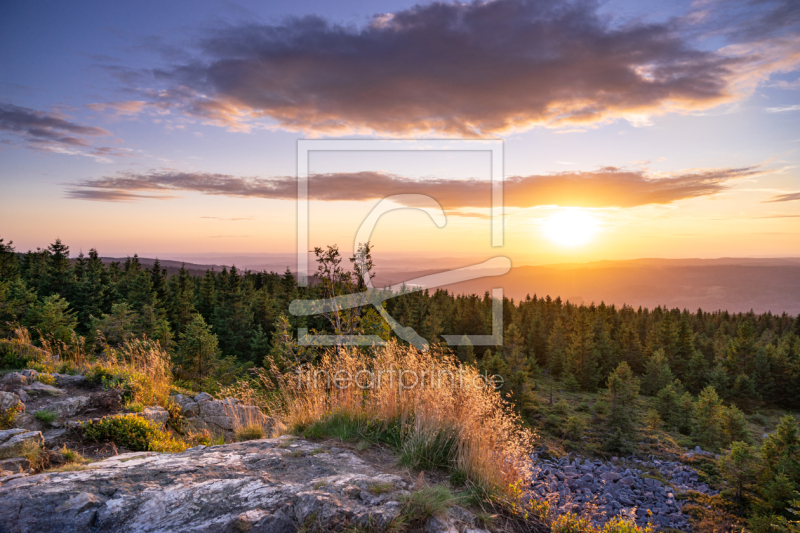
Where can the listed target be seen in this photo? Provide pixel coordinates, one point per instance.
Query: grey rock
(13, 381)
(19, 438)
(16, 465)
(66, 380)
(256, 486)
(52, 435)
(31, 374)
(38, 389)
(203, 397)
(438, 525)
(156, 414)
(70, 406)
(9, 400)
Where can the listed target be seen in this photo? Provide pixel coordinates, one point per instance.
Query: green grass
(46, 416)
(249, 432)
(421, 505)
(381, 487)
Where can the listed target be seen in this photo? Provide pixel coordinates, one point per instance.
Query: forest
(709, 376)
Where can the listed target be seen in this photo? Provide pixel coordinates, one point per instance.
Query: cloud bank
(460, 69)
(608, 187)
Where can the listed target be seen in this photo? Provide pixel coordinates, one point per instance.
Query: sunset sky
(632, 129)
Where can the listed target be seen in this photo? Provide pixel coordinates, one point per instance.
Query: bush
(47, 379)
(140, 368)
(7, 417)
(134, 432)
(574, 428)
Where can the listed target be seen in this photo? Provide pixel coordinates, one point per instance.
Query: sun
(570, 227)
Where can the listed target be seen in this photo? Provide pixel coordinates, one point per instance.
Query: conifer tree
(581, 356)
(557, 349)
(9, 266)
(657, 373)
(466, 353)
(623, 391)
(198, 351)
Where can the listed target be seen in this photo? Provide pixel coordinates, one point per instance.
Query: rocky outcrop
(203, 412)
(12, 438)
(600, 490)
(271, 485)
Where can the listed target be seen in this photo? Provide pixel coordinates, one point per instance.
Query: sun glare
(570, 227)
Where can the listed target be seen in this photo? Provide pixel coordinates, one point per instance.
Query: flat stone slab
(265, 485)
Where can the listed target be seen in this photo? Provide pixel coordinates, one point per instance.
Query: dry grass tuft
(454, 422)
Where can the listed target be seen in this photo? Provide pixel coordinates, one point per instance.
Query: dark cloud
(478, 68)
(38, 127)
(53, 132)
(609, 187)
(788, 197)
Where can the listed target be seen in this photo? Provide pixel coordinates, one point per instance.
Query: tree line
(235, 319)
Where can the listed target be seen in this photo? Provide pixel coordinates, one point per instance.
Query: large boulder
(271, 485)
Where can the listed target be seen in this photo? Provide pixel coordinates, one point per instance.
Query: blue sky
(168, 94)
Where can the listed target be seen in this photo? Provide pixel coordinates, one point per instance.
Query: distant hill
(729, 283)
(733, 284)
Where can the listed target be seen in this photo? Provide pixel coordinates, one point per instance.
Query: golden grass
(449, 406)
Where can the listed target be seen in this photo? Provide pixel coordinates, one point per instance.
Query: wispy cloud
(54, 132)
(607, 187)
(230, 219)
(128, 107)
(783, 109)
(466, 69)
(788, 197)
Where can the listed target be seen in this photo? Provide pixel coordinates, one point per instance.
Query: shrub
(134, 432)
(133, 407)
(71, 456)
(46, 416)
(47, 379)
(18, 351)
(574, 428)
(7, 417)
(140, 367)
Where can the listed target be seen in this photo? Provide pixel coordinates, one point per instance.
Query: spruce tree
(9, 266)
(657, 373)
(198, 351)
(623, 391)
